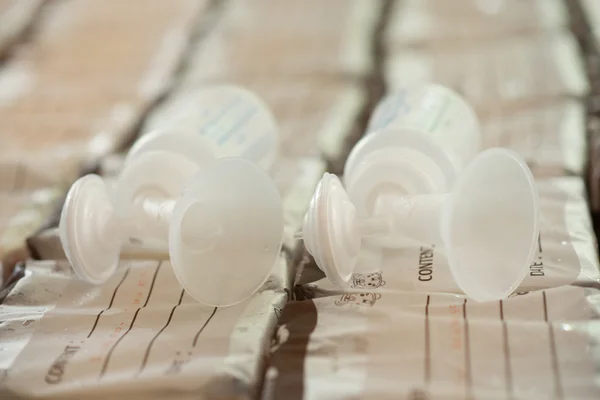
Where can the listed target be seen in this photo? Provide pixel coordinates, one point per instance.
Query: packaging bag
(369, 345)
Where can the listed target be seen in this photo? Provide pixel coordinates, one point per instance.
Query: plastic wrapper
(269, 38)
(15, 17)
(550, 137)
(540, 345)
(137, 336)
(86, 77)
(507, 73)
(566, 254)
(416, 21)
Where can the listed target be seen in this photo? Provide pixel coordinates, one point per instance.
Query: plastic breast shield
(224, 228)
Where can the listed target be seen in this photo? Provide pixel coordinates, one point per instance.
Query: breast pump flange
(409, 160)
(240, 213)
(492, 208)
(418, 169)
(148, 197)
(95, 223)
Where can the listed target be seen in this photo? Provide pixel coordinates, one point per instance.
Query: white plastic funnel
(226, 232)
(490, 225)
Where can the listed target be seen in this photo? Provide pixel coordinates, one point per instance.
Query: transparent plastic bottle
(233, 121)
(418, 141)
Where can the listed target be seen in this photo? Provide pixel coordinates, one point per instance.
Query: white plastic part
(147, 188)
(488, 226)
(93, 227)
(419, 138)
(193, 147)
(90, 233)
(234, 120)
(332, 234)
(409, 160)
(226, 232)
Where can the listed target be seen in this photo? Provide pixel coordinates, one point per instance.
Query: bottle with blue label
(232, 121)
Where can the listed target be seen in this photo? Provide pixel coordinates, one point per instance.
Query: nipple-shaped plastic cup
(488, 226)
(226, 232)
(235, 122)
(332, 233)
(420, 138)
(89, 232)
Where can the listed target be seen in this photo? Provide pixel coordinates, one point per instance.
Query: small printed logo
(367, 281)
(358, 299)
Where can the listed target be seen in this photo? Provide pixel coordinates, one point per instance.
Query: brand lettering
(57, 369)
(425, 264)
(537, 268)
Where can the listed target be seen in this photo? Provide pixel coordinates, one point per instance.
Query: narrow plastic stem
(416, 218)
(156, 213)
(159, 210)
